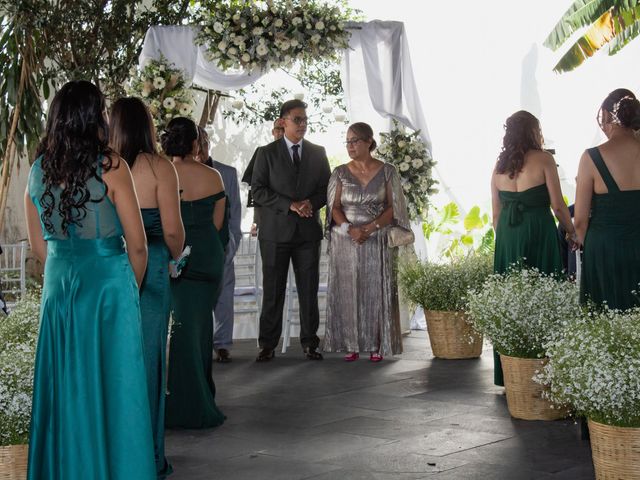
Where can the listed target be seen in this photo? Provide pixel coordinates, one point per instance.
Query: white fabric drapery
(177, 44)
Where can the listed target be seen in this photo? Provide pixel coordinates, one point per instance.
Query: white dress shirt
(291, 144)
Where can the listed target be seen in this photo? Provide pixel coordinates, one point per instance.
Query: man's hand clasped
(302, 208)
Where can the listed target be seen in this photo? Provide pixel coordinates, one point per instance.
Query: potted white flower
(520, 312)
(18, 339)
(440, 289)
(594, 366)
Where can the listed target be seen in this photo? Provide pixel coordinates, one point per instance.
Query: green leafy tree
(609, 22)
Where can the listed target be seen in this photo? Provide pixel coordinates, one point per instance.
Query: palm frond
(628, 28)
(581, 13)
(598, 35)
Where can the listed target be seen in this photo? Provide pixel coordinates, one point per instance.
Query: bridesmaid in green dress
(524, 188)
(133, 137)
(191, 392)
(90, 417)
(607, 217)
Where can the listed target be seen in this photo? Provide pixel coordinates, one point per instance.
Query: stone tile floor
(409, 417)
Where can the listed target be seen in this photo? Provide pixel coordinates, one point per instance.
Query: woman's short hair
(131, 129)
(364, 132)
(178, 136)
(522, 133)
(624, 108)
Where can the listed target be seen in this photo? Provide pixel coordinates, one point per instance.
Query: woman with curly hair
(607, 196)
(524, 188)
(90, 415)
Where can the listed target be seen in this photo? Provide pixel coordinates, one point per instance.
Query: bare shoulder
(163, 165)
(541, 156)
(115, 168)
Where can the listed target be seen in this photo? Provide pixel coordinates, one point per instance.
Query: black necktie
(296, 157)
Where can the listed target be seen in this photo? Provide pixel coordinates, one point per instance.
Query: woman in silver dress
(364, 200)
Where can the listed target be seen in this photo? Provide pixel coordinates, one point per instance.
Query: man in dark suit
(289, 182)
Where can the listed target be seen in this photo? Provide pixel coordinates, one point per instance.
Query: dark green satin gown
(611, 256)
(526, 235)
(90, 417)
(191, 390)
(155, 304)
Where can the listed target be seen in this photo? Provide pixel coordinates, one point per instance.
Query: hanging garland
(250, 35)
(163, 88)
(414, 163)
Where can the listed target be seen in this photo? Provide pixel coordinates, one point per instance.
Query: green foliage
(594, 366)
(444, 286)
(473, 233)
(523, 310)
(18, 339)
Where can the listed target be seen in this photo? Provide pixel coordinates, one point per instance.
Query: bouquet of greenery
(413, 160)
(444, 286)
(163, 88)
(267, 35)
(594, 366)
(18, 339)
(522, 310)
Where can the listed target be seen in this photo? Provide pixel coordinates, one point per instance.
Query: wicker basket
(524, 396)
(13, 462)
(451, 337)
(615, 451)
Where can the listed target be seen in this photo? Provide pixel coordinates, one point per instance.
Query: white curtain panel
(177, 45)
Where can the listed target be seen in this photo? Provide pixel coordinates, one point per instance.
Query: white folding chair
(292, 310)
(12, 272)
(247, 294)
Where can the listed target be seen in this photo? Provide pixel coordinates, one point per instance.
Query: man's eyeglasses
(353, 141)
(299, 120)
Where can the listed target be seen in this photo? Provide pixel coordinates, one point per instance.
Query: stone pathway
(407, 418)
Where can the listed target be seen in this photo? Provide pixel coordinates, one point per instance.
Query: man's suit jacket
(275, 184)
(230, 179)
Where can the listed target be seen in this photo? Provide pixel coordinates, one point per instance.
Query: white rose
(256, 19)
(406, 187)
(296, 21)
(404, 166)
(257, 31)
(169, 103)
(243, 25)
(407, 158)
(133, 71)
(168, 116)
(417, 163)
(294, 42)
(332, 28)
(232, 51)
(319, 25)
(262, 50)
(284, 45)
(222, 46)
(236, 17)
(238, 40)
(159, 83)
(402, 144)
(246, 58)
(161, 68)
(315, 38)
(265, 21)
(217, 27)
(278, 22)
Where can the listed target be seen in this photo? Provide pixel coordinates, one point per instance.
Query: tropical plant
(444, 286)
(612, 22)
(594, 366)
(521, 311)
(18, 339)
(460, 236)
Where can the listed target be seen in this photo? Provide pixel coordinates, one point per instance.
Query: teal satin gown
(155, 305)
(191, 390)
(90, 417)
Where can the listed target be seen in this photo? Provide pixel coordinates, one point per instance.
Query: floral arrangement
(163, 88)
(444, 286)
(594, 366)
(18, 339)
(523, 310)
(252, 35)
(413, 160)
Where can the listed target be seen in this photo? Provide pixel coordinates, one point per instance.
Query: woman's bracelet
(344, 227)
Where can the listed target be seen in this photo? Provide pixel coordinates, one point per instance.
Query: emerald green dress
(526, 236)
(191, 390)
(611, 256)
(90, 417)
(155, 304)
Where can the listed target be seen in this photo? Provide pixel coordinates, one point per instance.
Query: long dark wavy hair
(75, 139)
(522, 133)
(131, 129)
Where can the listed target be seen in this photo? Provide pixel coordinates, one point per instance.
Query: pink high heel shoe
(375, 357)
(351, 357)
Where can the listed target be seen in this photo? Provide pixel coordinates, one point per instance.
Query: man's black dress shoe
(312, 354)
(265, 355)
(223, 355)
